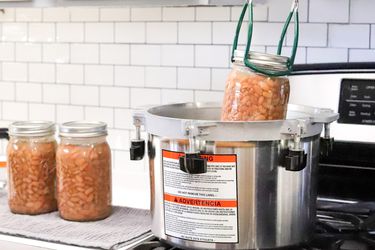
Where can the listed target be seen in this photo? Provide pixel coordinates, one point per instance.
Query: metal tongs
(290, 60)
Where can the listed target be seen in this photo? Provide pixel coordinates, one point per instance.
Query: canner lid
(178, 121)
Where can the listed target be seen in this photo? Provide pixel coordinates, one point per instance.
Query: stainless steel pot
(231, 185)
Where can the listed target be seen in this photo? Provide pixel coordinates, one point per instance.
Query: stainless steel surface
(32, 128)
(83, 129)
(173, 120)
(276, 207)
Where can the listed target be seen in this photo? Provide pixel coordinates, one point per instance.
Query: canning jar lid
(31, 128)
(83, 129)
(264, 61)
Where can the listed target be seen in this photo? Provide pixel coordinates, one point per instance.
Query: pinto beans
(252, 97)
(32, 173)
(84, 181)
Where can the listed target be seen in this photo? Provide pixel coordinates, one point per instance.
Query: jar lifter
(290, 60)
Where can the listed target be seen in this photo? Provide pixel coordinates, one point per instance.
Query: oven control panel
(357, 101)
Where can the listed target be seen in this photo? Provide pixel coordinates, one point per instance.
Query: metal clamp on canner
(137, 145)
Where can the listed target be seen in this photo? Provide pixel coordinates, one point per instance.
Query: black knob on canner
(192, 163)
(295, 160)
(137, 150)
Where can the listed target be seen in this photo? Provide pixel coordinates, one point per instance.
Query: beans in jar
(31, 173)
(251, 97)
(84, 179)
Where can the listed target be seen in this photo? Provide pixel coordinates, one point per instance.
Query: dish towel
(123, 227)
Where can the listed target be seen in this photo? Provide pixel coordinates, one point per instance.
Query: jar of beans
(83, 171)
(253, 96)
(32, 167)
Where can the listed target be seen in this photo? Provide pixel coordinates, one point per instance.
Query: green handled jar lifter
(252, 57)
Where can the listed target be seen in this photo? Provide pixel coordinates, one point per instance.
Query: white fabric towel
(125, 225)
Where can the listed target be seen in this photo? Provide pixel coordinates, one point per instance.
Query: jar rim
(32, 128)
(78, 129)
(265, 61)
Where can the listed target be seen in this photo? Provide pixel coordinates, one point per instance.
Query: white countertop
(8, 242)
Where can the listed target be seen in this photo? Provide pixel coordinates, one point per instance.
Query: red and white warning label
(201, 207)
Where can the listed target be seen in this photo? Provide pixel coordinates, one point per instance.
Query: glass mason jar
(252, 96)
(32, 167)
(84, 181)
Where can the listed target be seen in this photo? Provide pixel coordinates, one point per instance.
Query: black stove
(341, 225)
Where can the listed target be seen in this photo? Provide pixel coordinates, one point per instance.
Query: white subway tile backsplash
(219, 78)
(7, 91)
(267, 33)
(100, 114)
(14, 32)
(84, 53)
(67, 113)
(211, 56)
(42, 73)
(56, 15)
(123, 118)
(84, 95)
(145, 54)
(99, 32)
(145, 14)
(287, 51)
(279, 10)
(118, 139)
(114, 97)
(161, 77)
(42, 32)
(213, 14)
(9, 15)
(311, 34)
(69, 73)
(84, 14)
(322, 11)
(129, 76)
(69, 32)
(223, 33)
(144, 97)
(14, 71)
(99, 74)
(56, 53)
(260, 13)
(114, 14)
(130, 32)
(194, 78)
(361, 11)
(28, 52)
(339, 36)
(177, 55)
(160, 32)
(7, 52)
(28, 14)
(42, 112)
(178, 14)
(13, 111)
(209, 96)
(361, 55)
(326, 55)
(114, 54)
(194, 32)
(29, 92)
(176, 96)
(56, 93)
